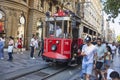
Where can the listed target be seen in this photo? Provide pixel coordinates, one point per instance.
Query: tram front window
(55, 29)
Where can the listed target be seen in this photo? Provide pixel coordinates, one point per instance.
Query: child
(19, 45)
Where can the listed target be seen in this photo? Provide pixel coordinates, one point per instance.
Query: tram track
(44, 73)
(57, 72)
(16, 77)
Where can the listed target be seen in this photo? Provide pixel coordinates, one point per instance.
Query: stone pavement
(22, 63)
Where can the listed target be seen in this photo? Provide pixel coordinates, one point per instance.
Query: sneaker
(2, 58)
(33, 58)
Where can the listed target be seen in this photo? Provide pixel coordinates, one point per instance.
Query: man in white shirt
(32, 45)
(113, 48)
(88, 52)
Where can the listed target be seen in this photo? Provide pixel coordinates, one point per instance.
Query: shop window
(85, 30)
(90, 32)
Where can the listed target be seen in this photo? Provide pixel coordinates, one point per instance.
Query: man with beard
(101, 51)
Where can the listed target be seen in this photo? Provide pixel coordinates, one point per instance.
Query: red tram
(62, 39)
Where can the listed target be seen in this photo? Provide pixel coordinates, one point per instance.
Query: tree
(112, 8)
(118, 38)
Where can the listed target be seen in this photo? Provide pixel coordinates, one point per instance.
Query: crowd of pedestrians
(97, 58)
(18, 45)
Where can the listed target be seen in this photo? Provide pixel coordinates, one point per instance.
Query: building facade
(106, 29)
(14, 18)
(22, 18)
(91, 18)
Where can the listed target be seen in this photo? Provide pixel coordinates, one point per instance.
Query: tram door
(75, 40)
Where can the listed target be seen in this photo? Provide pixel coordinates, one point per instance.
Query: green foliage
(112, 8)
(118, 38)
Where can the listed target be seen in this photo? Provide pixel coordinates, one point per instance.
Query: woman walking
(108, 57)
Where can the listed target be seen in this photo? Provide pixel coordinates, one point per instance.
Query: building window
(25, 0)
(42, 3)
(50, 6)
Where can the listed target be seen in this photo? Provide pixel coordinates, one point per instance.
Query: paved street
(22, 64)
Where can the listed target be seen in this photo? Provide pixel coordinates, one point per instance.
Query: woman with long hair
(108, 57)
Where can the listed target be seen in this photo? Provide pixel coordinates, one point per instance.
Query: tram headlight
(57, 42)
(54, 48)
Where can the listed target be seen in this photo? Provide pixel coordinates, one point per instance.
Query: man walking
(88, 52)
(101, 50)
(32, 45)
(113, 48)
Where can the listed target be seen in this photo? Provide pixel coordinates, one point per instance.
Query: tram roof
(57, 18)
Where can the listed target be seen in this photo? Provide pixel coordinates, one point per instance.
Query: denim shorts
(108, 62)
(87, 68)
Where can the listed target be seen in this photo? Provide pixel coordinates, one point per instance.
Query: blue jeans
(113, 55)
(1, 53)
(40, 52)
(10, 55)
(32, 51)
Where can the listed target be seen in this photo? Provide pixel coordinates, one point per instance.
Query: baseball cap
(88, 39)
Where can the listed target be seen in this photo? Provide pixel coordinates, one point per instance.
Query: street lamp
(40, 28)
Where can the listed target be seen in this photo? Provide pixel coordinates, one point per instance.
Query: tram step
(72, 65)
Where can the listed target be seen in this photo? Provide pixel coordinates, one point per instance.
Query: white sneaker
(2, 58)
(33, 57)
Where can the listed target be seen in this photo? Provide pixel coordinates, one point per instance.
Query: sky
(115, 25)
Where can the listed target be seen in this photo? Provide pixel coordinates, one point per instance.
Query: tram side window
(51, 29)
